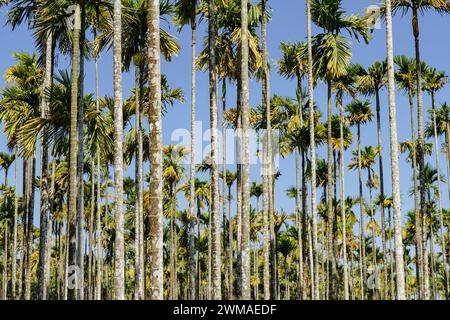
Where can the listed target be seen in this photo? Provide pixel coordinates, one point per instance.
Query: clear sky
(288, 24)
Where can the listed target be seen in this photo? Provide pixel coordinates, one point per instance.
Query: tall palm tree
(394, 157)
(329, 16)
(406, 79)
(416, 7)
(186, 13)
(315, 292)
(245, 243)
(360, 113)
(73, 143)
(435, 81)
(215, 217)
(371, 83)
(156, 183)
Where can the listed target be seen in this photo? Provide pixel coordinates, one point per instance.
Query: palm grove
(103, 235)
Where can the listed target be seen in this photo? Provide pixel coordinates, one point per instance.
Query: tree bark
(119, 246)
(394, 158)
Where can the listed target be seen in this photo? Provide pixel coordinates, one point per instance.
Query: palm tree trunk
(419, 264)
(362, 261)
(215, 201)
(227, 274)
(439, 199)
(192, 285)
(330, 184)
(383, 223)
(16, 221)
(73, 145)
(30, 229)
(44, 199)
(139, 264)
(394, 158)
(119, 246)
(343, 209)
(245, 244)
(156, 183)
(91, 231)
(420, 151)
(98, 278)
(300, 289)
(313, 155)
(5, 263)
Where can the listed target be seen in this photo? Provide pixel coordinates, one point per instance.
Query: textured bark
(80, 162)
(30, 228)
(16, 221)
(439, 199)
(394, 158)
(156, 183)
(215, 201)
(44, 199)
(139, 289)
(227, 275)
(330, 183)
(98, 276)
(5, 263)
(362, 236)
(420, 151)
(343, 208)
(192, 287)
(21, 275)
(417, 215)
(73, 146)
(313, 155)
(119, 246)
(245, 244)
(383, 222)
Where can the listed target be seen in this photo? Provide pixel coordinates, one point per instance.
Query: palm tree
(315, 292)
(156, 183)
(186, 13)
(329, 16)
(435, 81)
(394, 156)
(416, 7)
(406, 76)
(215, 217)
(245, 243)
(371, 83)
(360, 113)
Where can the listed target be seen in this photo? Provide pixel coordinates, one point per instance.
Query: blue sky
(288, 24)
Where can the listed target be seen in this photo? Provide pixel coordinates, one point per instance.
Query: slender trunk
(5, 263)
(80, 162)
(215, 201)
(420, 151)
(119, 246)
(73, 146)
(313, 155)
(394, 158)
(362, 236)
(30, 229)
(439, 199)
(418, 225)
(383, 223)
(343, 209)
(192, 286)
(227, 274)
(330, 184)
(156, 183)
(245, 244)
(44, 199)
(15, 229)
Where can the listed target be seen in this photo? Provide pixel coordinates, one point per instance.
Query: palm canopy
(332, 50)
(359, 112)
(374, 78)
